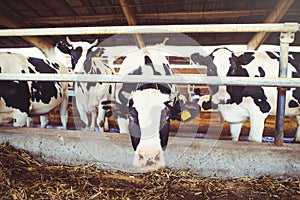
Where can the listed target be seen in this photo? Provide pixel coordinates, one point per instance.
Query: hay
(23, 177)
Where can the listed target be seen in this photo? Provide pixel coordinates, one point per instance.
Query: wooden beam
(11, 21)
(275, 16)
(161, 16)
(132, 22)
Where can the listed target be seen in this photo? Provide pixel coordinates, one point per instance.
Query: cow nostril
(157, 157)
(149, 163)
(141, 157)
(222, 101)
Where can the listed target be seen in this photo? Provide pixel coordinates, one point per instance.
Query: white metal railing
(210, 28)
(198, 79)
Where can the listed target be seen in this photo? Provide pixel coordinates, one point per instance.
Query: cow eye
(141, 157)
(167, 118)
(210, 71)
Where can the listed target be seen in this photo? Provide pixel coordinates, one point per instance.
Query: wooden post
(132, 22)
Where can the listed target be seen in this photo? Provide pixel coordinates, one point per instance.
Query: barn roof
(87, 13)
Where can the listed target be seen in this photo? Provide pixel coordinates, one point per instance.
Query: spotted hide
(85, 58)
(22, 99)
(238, 103)
(145, 110)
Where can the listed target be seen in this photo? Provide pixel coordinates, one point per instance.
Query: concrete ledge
(113, 152)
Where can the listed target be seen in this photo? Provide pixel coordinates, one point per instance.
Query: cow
(238, 103)
(203, 101)
(20, 100)
(88, 95)
(144, 110)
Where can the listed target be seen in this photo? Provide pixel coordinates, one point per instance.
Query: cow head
(149, 113)
(223, 62)
(80, 52)
(149, 109)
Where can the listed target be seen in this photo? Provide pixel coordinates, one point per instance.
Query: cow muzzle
(221, 97)
(149, 159)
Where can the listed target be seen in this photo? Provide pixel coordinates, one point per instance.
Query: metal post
(285, 39)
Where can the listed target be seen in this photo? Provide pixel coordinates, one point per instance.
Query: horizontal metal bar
(176, 79)
(201, 28)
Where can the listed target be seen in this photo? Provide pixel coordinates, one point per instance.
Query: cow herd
(144, 110)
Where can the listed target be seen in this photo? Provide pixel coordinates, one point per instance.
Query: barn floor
(239, 170)
(23, 177)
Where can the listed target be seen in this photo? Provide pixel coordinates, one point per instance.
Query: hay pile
(23, 177)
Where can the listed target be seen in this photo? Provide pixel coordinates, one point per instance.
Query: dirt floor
(23, 177)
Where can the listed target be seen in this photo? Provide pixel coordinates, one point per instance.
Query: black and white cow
(238, 103)
(145, 110)
(202, 100)
(20, 100)
(85, 58)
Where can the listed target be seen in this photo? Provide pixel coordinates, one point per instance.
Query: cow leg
(64, 110)
(257, 124)
(297, 136)
(83, 115)
(92, 128)
(101, 119)
(235, 130)
(28, 121)
(44, 119)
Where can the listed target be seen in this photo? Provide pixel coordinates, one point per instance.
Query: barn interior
(17, 14)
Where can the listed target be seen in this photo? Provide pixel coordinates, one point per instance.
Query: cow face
(149, 123)
(79, 52)
(223, 62)
(149, 113)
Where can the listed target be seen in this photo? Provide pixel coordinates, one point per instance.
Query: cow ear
(201, 60)
(185, 112)
(245, 58)
(64, 47)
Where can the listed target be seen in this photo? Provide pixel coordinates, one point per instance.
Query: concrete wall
(113, 151)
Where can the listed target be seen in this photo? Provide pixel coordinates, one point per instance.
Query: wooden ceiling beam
(10, 21)
(160, 16)
(132, 22)
(275, 16)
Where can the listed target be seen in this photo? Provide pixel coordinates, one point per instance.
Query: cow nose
(222, 101)
(149, 159)
(79, 72)
(149, 163)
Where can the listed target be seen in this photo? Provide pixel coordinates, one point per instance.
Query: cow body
(88, 95)
(22, 99)
(145, 110)
(240, 103)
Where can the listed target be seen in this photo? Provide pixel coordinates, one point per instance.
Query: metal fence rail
(210, 28)
(176, 79)
(287, 31)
